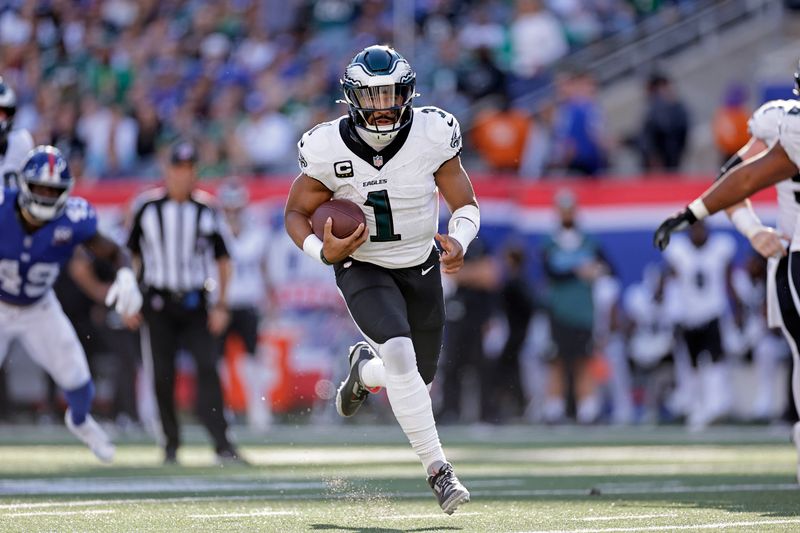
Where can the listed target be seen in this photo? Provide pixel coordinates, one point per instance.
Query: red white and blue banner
(621, 213)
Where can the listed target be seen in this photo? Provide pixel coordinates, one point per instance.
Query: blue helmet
(45, 168)
(379, 79)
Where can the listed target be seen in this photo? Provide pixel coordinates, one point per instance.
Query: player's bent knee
(398, 355)
(427, 370)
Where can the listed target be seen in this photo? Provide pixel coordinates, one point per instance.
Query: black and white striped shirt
(177, 240)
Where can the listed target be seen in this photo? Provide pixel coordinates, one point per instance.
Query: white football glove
(124, 293)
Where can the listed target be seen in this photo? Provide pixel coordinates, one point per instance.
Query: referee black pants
(171, 325)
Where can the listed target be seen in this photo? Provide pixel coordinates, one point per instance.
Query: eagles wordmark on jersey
(395, 187)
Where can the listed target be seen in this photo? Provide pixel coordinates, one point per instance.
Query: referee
(176, 235)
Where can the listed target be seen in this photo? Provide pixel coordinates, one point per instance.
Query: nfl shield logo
(377, 161)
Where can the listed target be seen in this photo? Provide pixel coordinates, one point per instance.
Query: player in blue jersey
(41, 227)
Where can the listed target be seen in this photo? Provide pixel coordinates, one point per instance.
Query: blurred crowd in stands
(111, 82)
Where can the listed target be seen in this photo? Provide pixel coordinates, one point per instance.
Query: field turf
(366, 479)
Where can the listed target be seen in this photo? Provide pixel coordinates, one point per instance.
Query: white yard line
(627, 490)
(243, 515)
(179, 484)
(622, 517)
(718, 525)
(59, 513)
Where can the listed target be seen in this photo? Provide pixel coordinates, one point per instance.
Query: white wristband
(747, 222)
(464, 225)
(698, 209)
(313, 247)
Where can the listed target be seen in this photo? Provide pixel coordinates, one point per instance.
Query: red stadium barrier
(661, 189)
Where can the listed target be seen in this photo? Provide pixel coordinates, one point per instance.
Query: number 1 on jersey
(379, 202)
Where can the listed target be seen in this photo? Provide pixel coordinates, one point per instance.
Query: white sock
(254, 377)
(411, 402)
(373, 373)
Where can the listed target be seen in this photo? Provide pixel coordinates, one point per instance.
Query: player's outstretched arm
(764, 240)
(456, 189)
(305, 196)
(124, 293)
(82, 273)
(735, 186)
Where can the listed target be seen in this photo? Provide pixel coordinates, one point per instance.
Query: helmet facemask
(382, 110)
(44, 184)
(38, 203)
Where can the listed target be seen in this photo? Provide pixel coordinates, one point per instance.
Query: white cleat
(91, 434)
(796, 440)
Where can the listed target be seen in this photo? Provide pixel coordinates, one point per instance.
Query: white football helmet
(378, 86)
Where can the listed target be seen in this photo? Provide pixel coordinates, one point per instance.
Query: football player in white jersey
(701, 267)
(771, 157)
(247, 291)
(14, 143)
(393, 160)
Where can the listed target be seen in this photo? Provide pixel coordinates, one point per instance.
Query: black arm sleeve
(729, 164)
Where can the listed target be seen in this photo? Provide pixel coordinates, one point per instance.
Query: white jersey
(765, 126)
(248, 251)
(701, 277)
(395, 187)
(19, 144)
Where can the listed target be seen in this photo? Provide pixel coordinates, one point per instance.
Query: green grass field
(365, 479)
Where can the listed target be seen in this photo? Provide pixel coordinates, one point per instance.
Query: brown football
(346, 217)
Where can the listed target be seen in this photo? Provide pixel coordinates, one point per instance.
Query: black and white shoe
(448, 489)
(352, 392)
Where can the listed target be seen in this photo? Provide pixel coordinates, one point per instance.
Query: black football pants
(170, 325)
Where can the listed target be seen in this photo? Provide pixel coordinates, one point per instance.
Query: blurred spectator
(499, 135)
(64, 136)
(178, 58)
(265, 139)
(247, 292)
(480, 77)
(651, 343)
(149, 132)
(730, 122)
(665, 127)
(579, 139)
(469, 309)
(516, 298)
(537, 39)
(701, 267)
(572, 263)
(538, 153)
(609, 340)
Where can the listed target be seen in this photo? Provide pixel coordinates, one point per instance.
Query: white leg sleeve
(254, 377)
(410, 400)
(373, 373)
